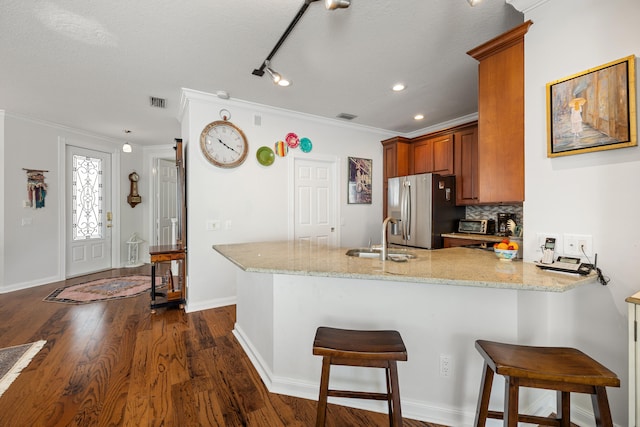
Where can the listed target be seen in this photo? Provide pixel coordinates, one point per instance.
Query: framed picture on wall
(593, 110)
(359, 185)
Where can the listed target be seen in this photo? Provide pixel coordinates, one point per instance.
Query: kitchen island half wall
(440, 302)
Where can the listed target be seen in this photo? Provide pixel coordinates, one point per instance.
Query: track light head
(337, 4)
(275, 76)
(474, 2)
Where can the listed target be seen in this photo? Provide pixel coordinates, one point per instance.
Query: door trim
(337, 167)
(116, 239)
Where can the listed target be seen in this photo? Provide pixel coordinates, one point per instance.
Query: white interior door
(88, 211)
(315, 213)
(167, 204)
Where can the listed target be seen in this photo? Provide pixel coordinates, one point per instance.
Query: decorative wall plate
(292, 140)
(265, 156)
(306, 145)
(281, 148)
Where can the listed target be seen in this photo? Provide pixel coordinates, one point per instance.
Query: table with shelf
(175, 295)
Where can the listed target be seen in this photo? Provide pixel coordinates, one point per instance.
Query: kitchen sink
(394, 254)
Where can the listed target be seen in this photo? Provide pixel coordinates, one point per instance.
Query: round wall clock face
(224, 144)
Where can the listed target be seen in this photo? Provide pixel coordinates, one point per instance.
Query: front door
(88, 211)
(314, 201)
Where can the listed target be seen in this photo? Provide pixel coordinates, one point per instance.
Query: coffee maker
(502, 225)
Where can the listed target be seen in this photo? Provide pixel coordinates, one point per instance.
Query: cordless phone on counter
(548, 250)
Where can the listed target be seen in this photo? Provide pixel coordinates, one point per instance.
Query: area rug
(14, 359)
(101, 290)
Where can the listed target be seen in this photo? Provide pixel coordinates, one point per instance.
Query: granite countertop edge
(267, 257)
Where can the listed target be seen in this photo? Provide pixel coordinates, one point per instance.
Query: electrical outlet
(212, 225)
(446, 365)
(575, 244)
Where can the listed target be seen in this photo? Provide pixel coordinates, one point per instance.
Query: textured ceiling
(93, 65)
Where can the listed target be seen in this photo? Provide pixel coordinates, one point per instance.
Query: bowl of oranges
(506, 250)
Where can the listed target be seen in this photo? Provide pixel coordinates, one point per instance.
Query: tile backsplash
(491, 212)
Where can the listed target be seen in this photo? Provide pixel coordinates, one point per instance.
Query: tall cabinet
(501, 117)
(634, 359)
(396, 157)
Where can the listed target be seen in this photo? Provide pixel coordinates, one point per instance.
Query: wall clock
(224, 144)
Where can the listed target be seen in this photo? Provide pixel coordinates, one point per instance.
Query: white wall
(594, 193)
(254, 197)
(32, 253)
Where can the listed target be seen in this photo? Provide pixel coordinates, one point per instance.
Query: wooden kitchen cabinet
(465, 153)
(501, 117)
(396, 158)
(433, 154)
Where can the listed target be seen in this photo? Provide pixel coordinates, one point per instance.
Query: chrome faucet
(385, 249)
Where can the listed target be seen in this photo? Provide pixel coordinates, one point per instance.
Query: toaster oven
(477, 226)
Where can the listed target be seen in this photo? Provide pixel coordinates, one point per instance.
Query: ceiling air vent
(158, 102)
(346, 116)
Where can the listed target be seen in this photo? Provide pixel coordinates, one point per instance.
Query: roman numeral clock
(224, 144)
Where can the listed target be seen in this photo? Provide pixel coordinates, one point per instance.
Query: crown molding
(525, 6)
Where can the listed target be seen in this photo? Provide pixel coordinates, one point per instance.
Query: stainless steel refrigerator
(425, 207)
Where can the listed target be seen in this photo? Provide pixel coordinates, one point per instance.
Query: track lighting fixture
(336, 4)
(276, 77)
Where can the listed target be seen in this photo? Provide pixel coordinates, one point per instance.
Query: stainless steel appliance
(425, 207)
(477, 226)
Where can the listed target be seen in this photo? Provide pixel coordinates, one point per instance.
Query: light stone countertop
(635, 298)
(453, 266)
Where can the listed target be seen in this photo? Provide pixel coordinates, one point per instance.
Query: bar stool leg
(324, 391)
(511, 392)
(395, 391)
(601, 409)
(387, 373)
(483, 399)
(563, 405)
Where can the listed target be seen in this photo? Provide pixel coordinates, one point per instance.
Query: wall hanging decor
(359, 186)
(593, 110)
(134, 198)
(36, 188)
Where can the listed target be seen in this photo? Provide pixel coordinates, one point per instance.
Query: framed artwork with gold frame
(593, 110)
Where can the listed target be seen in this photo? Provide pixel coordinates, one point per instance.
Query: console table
(175, 295)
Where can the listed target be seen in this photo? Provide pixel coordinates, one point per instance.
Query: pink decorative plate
(292, 140)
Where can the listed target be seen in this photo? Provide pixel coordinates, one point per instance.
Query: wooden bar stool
(565, 370)
(373, 349)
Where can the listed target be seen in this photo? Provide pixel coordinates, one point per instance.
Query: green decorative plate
(265, 156)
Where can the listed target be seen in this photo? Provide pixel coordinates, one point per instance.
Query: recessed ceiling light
(398, 87)
(418, 117)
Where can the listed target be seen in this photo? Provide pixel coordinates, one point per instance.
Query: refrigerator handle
(403, 211)
(408, 211)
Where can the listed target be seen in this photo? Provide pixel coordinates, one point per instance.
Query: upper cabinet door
(443, 154)
(501, 117)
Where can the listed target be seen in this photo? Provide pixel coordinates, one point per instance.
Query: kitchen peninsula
(441, 302)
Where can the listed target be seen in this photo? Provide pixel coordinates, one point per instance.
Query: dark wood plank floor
(113, 363)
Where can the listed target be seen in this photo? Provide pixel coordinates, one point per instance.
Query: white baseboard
(30, 284)
(192, 306)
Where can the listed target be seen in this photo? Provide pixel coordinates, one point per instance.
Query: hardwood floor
(113, 363)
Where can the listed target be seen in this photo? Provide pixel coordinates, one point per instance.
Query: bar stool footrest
(530, 419)
(358, 394)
